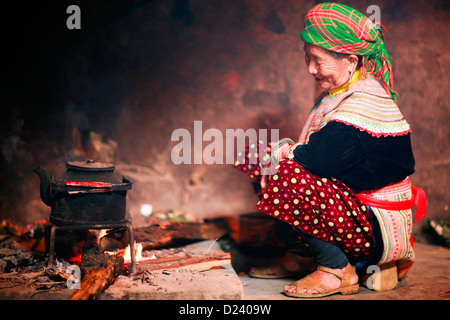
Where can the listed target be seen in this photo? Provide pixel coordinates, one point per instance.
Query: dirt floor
(427, 280)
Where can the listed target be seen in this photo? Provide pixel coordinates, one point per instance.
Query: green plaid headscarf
(339, 28)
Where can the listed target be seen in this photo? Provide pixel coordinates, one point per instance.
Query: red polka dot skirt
(324, 208)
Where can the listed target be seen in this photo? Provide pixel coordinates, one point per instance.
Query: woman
(344, 185)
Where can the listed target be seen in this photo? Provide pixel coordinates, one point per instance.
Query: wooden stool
(384, 278)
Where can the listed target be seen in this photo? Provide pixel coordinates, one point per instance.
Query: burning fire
(126, 254)
(137, 250)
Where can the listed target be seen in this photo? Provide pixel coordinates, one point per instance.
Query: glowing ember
(75, 260)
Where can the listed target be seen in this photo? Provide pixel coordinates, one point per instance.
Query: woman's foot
(285, 266)
(325, 281)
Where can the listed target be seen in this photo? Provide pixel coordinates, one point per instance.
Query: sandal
(311, 284)
(279, 270)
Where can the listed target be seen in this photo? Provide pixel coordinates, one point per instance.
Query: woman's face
(329, 72)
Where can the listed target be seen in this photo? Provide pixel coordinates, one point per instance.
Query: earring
(350, 80)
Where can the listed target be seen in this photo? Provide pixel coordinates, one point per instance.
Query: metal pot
(88, 193)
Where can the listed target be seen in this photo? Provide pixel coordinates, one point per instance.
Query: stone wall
(138, 70)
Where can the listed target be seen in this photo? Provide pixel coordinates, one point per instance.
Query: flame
(137, 250)
(126, 253)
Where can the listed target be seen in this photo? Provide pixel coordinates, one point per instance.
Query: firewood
(208, 265)
(97, 278)
(184, 261)
(158, 234)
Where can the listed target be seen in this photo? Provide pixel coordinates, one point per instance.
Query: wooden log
(158, 234)
(98, 276)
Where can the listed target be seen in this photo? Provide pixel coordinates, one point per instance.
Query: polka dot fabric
(249, 163)
(324, 208)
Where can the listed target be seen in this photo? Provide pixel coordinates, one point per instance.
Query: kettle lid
(89, 165)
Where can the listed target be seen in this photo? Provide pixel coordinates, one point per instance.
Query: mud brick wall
(138, 70)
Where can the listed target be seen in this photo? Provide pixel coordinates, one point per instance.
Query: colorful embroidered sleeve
(376, 115)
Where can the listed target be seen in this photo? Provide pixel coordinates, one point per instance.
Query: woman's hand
(264, 180)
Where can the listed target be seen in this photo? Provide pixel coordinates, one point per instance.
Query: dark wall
(138, 70)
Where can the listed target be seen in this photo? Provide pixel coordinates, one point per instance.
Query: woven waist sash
(392, 206)
(418, 198)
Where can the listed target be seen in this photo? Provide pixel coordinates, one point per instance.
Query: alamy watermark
(375, 17)
(74, 281)
(223, 148)
(74, 20)
(374, 280)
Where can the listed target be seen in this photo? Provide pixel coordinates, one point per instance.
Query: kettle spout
(45, 186)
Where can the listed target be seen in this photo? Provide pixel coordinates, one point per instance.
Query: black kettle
(89, 192)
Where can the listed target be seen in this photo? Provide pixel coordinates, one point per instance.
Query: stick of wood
(203, 266)
(96, 280)
(177, 262)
